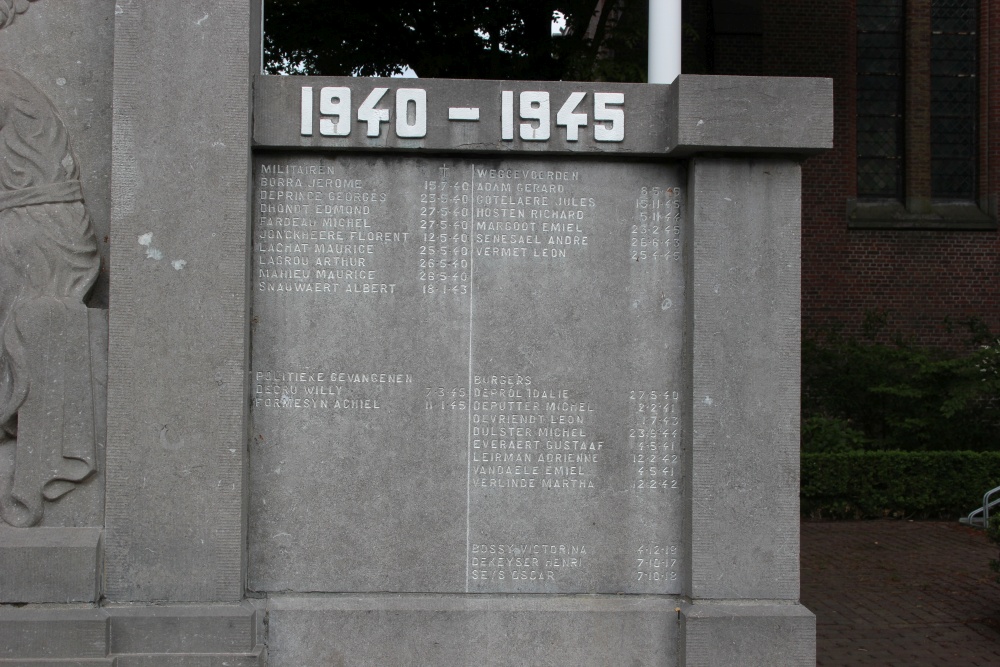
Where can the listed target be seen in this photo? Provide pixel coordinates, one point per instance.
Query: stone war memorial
(347, 371)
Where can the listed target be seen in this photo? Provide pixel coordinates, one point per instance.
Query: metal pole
(664, 40)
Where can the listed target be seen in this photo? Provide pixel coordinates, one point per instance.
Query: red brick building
(899, 219)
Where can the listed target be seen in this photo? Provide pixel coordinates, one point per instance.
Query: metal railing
(981, 515)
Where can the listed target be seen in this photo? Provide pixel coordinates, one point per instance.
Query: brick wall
(922, 284)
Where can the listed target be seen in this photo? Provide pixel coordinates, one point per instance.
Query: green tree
(509, 39)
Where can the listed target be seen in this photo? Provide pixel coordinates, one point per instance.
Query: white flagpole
(664, 40)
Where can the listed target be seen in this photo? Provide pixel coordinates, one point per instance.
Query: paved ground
(901, 593)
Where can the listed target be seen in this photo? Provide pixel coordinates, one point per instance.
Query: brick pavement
(901, 593)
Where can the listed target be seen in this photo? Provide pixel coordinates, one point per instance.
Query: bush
(993, 533)
(876, 484)
(875, 396)
(831, 434)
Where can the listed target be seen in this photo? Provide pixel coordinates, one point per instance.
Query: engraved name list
(495, 344)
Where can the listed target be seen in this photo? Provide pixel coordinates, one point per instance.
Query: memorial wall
(394, 372)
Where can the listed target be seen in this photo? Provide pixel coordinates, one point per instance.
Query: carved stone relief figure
(9, 9)
(48, 263)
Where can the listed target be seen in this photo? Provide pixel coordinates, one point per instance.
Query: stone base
(471, 630)
(225, 635)
(50, 565)
(411, 629)
(748, 634)
(49, 634)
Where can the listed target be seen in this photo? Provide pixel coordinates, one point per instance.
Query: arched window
(917, 101)
(954, 96)
(880, 98)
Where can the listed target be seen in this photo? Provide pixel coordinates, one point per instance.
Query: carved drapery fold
(9, 9)
(48, 264)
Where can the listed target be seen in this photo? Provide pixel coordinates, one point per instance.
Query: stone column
(178, 341)
(744, 213)
(745, 219)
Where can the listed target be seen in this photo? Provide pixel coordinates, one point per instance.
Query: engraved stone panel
(467, 375)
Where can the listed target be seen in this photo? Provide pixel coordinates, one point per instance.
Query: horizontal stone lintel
(751, 114)
(695, 114)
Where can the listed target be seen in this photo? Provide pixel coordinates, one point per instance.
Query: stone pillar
(178, 341)
(744, 215)
(745, 219)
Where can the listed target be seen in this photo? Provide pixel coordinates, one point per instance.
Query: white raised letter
(368, 112)
(339, 109)
(614, 128)
(572, 121)
(535, 106)
(418, 128)
(507, 115)
(306, 122)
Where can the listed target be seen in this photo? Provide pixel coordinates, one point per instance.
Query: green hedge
(865, 485)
